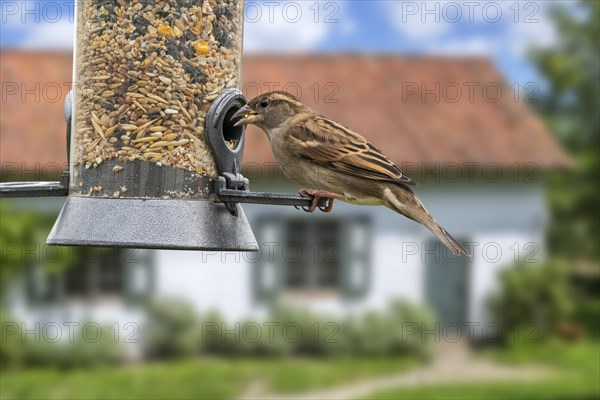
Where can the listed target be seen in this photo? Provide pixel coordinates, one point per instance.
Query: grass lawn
(579, 364)
(221, 378)
(198, 378)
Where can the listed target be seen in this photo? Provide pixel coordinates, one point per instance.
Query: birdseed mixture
(146, 73)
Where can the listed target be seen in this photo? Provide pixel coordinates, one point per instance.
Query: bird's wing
(336, 147)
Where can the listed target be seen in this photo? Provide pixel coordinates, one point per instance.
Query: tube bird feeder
(146, 74)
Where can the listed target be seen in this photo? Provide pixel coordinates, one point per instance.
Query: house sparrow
(334, 162)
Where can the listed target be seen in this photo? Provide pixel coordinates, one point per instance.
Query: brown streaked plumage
(332, 145)
(334, 161)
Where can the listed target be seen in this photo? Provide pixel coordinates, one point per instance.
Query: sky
(501, 30)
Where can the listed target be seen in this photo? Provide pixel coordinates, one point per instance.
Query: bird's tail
(446, 238)
(404, 201)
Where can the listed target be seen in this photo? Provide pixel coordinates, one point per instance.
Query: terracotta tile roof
(32, 123)
(367, 93)
(375, 99)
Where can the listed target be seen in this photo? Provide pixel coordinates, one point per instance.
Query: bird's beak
(247, 115)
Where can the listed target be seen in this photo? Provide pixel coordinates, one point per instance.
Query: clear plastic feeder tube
(146, 73)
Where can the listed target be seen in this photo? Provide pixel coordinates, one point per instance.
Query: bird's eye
(264, 103)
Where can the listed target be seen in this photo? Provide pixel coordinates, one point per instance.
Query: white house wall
(208, 280)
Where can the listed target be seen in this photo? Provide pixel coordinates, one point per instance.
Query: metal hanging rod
(61, 188)
(36, 189)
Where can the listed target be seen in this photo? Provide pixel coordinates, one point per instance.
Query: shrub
(412, 322)
(171, 330)
(587, 314)
(80, 352)
(398, 330)
(12, 348)
(67, 352)
(533, 294)
(219, 337)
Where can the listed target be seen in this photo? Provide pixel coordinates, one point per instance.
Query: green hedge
(174, 331)
(90, 350)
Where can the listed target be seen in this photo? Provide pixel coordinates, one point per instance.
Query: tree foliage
(23, 234)
(571, 108)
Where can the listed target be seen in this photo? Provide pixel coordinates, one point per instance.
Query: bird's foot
(316, 196)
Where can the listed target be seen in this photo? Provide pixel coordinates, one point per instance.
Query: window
(316, 255)
(94, 274)
(311, 255)
(99, 273)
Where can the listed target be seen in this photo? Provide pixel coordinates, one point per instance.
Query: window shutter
(355, 253)
(140, 274)
(267, 274)
(42, 287)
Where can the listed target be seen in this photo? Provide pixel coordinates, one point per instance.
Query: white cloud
(35, 24)
(472, 46)
(290, 26)
(491, 28)
(283, 36)
(412, 18)
(49, 36)
(523, 35)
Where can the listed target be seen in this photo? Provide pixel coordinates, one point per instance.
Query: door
(446, 284)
